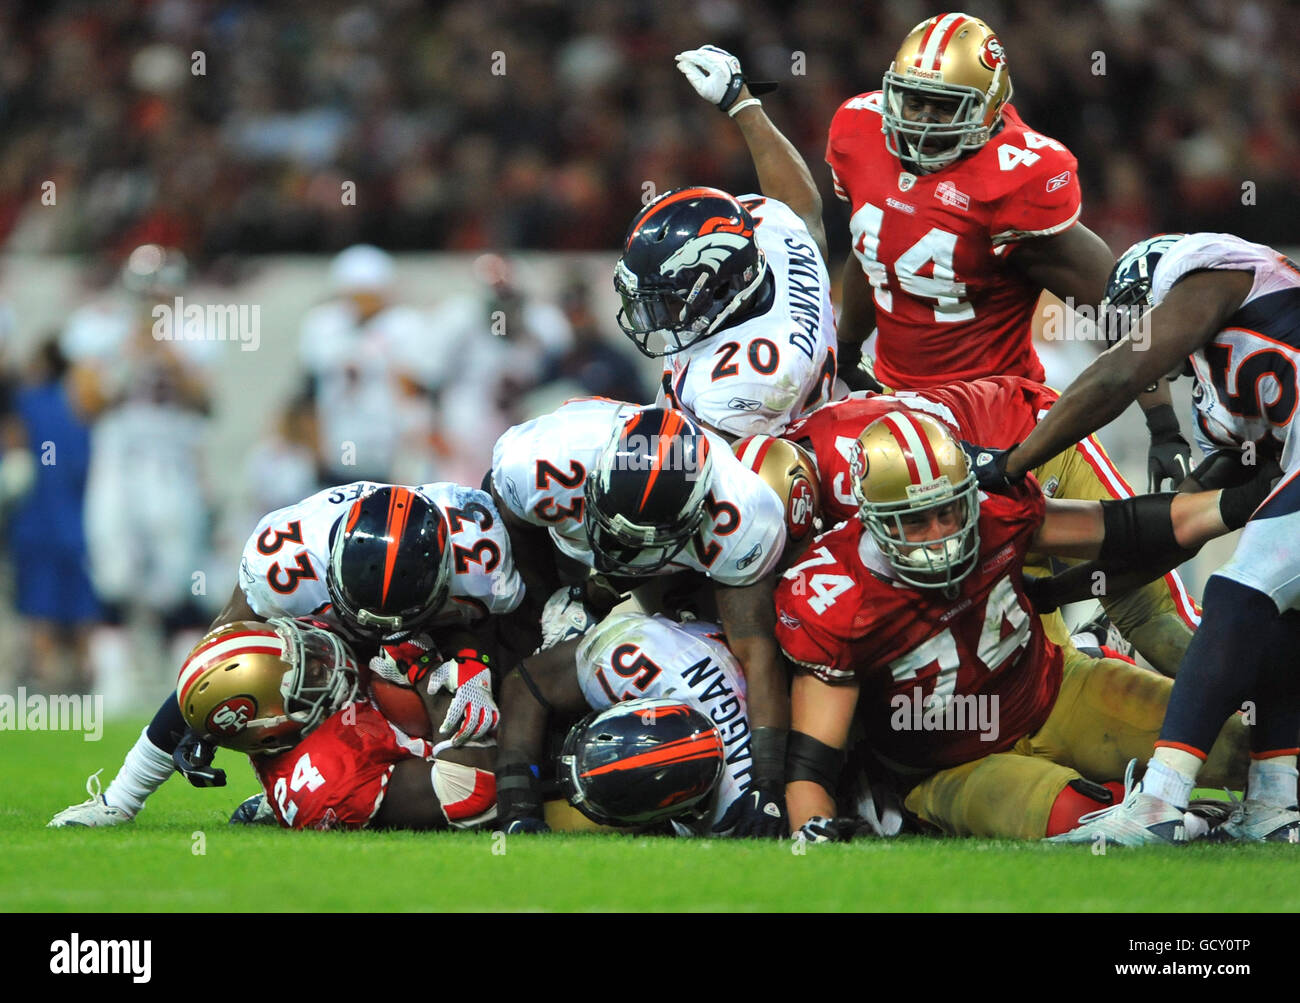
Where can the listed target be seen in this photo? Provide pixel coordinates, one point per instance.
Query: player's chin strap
(193, 757)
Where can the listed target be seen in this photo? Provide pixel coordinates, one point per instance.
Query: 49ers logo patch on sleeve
(231, 716)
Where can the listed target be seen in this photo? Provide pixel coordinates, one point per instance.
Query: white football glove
(473, 713)
(564, 617)
(714, 73)
(404, 663)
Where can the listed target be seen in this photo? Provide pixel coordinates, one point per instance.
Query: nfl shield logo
(906, 181)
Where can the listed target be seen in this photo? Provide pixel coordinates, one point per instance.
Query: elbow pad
(809, 759)
(1139, 529)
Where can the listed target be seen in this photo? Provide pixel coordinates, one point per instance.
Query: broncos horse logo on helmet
(690, 266)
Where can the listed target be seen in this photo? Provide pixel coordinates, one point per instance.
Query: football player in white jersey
(1230, 309)
(627, 656)
(737, 289)
(405, 568)
(635, 493)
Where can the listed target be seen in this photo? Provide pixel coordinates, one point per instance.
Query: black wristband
(1162, 423)
(767, 746)
(1139, 528)
(519, 792)
(809, 759)
(1238, 503)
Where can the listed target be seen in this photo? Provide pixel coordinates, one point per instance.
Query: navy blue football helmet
(645, 497)
(1129, 284)
(690, 264)
(640, 761)
(389, 570)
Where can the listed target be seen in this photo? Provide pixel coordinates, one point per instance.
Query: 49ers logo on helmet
(232, 715)
(799, 511)
(992, 54)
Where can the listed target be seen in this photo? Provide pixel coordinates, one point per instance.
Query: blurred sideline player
(962, 216)
(914, 617)
(289, 695)
(1230, 309)
(382, 564)
(736, 289)
(998, 411)
(635, 493)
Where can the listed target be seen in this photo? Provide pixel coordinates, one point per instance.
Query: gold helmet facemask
(260, 688)
(951, 57)
(905, 465)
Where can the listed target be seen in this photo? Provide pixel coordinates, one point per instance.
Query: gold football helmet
(791, 473)
(907, 471)
(260, 688)
(951, 57)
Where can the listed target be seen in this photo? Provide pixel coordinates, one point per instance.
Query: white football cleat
(1256, 822)
(1139, 820)
(91, 813)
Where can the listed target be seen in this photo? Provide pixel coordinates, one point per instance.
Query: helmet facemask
(905, 139)
(322, 675)
(892, 499)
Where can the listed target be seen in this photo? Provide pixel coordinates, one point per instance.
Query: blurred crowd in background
(182, 137)
(489, 124)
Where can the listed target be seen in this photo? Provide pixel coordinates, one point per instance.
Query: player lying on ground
(637, 493)
(914, 618)
(1001, 411)
(1230, 309)
(736, 289)
(398, 571)
(627, 656)
(289, 694)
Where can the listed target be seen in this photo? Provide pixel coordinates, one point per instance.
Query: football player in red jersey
(999, 412)
(961, 217)
(915, 618)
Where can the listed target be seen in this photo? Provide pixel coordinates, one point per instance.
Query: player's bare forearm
(857, 307)
(825, 713)
(782, 172)
(1190, 315)
(1148, 399)
(521, 735)
(1073, 265)
(748, 618)
(236, 609)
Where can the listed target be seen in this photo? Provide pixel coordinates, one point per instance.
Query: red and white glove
(473, 713)
(406, 664)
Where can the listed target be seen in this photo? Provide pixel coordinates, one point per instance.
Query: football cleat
(1256, 822)
(92, 813)
(1101, 633)
(254, 811)
(1139, 820)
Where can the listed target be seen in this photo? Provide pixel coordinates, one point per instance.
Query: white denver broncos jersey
(760, 375)
(1248, 375)
(283, 569)
(540, 472)
(632, 656)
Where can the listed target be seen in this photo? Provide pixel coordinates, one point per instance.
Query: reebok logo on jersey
(948, 194)
(1060, 181)
(755, 553)
(743, 404)
(893, 203)
(793, 622)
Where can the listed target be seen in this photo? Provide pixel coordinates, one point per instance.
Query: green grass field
(152, 865)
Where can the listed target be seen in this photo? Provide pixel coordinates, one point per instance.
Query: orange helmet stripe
(685, 193)
(684, 750)
(672, 425)
(399, 510)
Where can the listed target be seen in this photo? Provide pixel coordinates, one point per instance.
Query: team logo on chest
(906, 181)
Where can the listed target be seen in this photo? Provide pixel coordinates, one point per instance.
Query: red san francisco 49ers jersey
(943, 680)
(335, 778)
(998, 412)
(935, 246)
